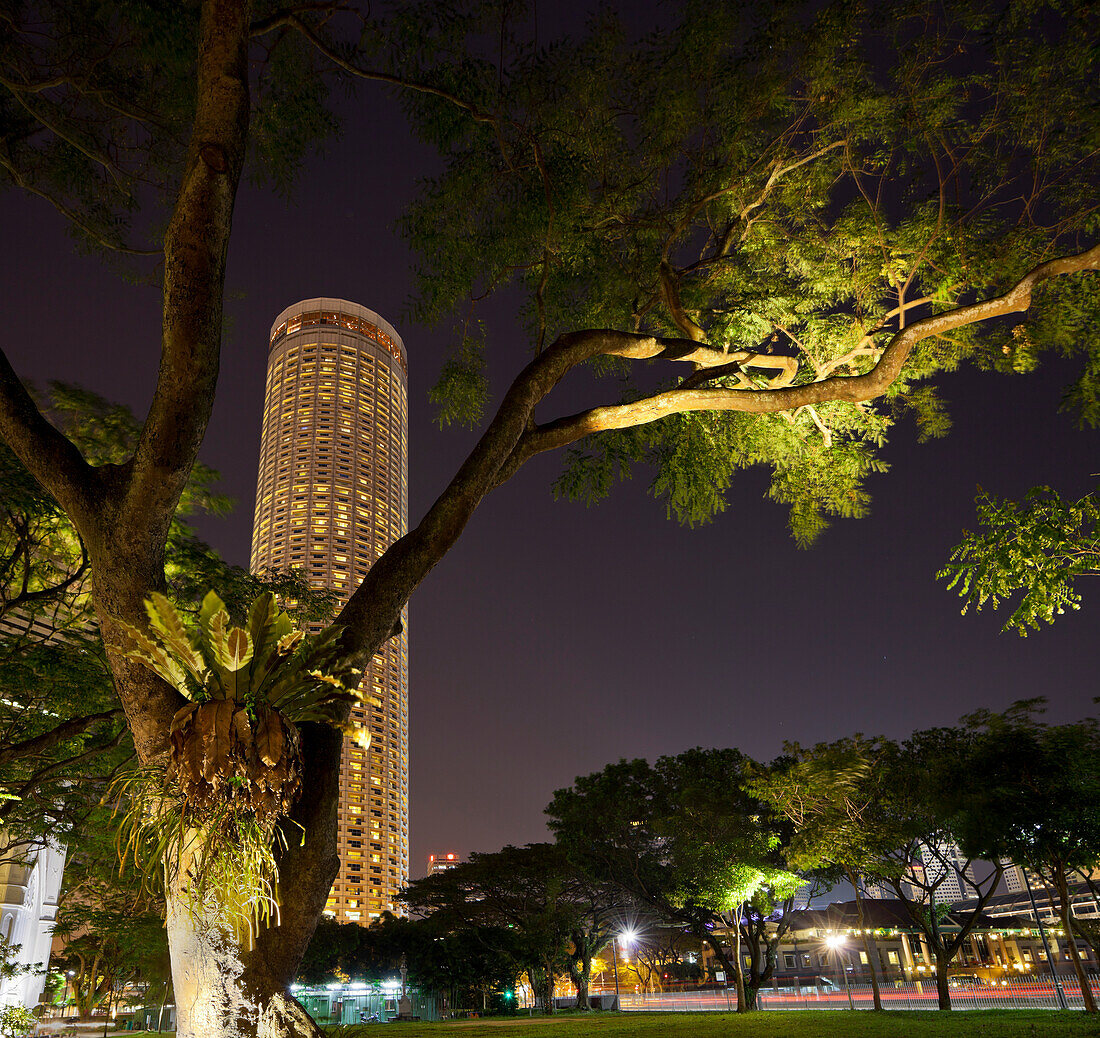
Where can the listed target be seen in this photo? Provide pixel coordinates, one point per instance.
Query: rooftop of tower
(341, 313)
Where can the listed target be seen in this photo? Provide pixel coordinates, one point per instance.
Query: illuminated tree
(1035, 549)
(826, 794)
(687, 840)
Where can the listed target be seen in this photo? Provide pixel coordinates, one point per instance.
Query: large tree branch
(510, 440)
(55, 736)
(58, 768)
(195, 248)
(127, 548)
(72, 215)
(370, 615)
(851, 389)
(290, 18)
(45, 453)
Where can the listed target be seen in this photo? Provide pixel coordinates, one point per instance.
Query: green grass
(993, 1023)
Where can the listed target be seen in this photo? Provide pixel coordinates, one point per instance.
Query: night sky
(554, 638)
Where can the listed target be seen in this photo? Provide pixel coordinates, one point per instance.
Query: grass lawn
(1009, 1023)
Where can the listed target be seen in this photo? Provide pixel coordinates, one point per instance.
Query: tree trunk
(581, 977)
(943, 989)
(739, 968)
(1066, 914)
(936, 943)
(212, 998)
(871, 953)
(582, 990)
(542, 987)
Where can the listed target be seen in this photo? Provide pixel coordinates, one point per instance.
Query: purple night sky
(554, 638)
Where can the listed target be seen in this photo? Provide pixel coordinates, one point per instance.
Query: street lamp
(836, 942)
(627, 936)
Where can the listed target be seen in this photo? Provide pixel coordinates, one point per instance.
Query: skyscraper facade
(332, 495)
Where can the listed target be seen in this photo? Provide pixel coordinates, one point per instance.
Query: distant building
(30, 882)
(332, 496)
(877, 889)
(1014, 881)
(442, 862)
(946, 865)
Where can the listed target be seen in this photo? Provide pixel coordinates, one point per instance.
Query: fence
(1012, 993)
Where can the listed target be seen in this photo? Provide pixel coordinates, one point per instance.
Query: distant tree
(806, 208)
(826, 794)
(685, 838)
(1037, 803)
(1031, 553)
(659, 956)
(110, 922)
(918, 820)
(334, 951)
(551, 919)
(472, 967)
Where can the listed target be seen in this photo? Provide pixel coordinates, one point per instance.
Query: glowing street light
(835, 942)
(627, 936)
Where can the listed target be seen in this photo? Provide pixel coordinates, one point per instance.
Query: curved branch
(511, 439)
(57, 767)
(46, 454)
(851, 389)
(291, 19)
(48, 740)
(70, 214)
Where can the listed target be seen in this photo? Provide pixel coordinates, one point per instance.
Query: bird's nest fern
(210, 815)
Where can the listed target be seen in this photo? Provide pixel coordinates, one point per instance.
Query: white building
(30, 882)
(947, 864)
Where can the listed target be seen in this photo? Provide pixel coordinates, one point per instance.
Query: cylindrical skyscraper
(332, 496)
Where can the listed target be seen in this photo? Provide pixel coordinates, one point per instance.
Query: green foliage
(778, 182)
(827, 794)
(16, 1021)
(461, 962)
(234, 771)
(687, 838)
(461, 390)
(100, 100)
(527, 905)
(1035, 549)
(111, 924)
(1039, 799)
(268, 664)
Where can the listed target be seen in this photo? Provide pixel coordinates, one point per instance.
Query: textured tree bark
(943, 989)
(580, 969)
(872, 953)
(1065, 912)
(213, 998)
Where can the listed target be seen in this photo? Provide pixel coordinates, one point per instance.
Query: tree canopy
(687, 838)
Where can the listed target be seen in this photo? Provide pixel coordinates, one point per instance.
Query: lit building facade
(332, 495)
(443, 862)
(30, 889)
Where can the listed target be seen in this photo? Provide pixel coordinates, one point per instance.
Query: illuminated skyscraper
(332, 495)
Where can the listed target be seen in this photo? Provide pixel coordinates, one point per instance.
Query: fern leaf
(151, 655)
(175, 637)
